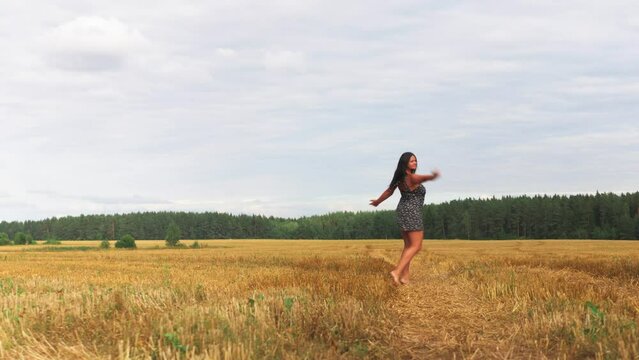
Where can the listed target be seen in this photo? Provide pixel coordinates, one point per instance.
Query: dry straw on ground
(321, 300)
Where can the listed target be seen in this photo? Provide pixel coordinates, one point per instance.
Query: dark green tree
(601, 215)
(4, 239)
(173, 234)
(126, 242)
(104, 244)
(21, 238)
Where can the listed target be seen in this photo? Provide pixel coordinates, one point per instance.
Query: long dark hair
(400, 172)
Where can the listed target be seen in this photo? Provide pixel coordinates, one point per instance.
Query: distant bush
(127, 242)
(4, 239)
(195, 245)
(172, 235)
(21, 238)
(52, 241)
(104, 244)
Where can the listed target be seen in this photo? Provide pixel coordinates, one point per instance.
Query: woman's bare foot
(395, 277)
(404, 281)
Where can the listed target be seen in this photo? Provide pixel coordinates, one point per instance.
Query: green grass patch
(61, 248)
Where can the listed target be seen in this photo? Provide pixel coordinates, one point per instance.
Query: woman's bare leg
(415, 239)
(405, 276)
(402, 278)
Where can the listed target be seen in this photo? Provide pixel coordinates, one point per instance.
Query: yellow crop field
(303, 299)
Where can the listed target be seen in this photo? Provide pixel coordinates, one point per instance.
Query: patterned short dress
(409, 209)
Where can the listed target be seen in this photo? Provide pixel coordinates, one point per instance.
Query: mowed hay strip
(442, 317)
(499, 300)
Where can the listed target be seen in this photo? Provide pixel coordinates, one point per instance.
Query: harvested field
(290, 299)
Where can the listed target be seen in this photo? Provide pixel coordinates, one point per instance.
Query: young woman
(409, 210)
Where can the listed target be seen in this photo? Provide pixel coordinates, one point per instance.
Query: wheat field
(324, 299)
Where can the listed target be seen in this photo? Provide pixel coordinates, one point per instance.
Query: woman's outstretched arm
(418, 179)
(385, 195)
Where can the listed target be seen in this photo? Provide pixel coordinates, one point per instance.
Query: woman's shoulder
(413, 179)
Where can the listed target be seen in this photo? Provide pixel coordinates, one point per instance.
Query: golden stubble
(228, 300)
(290, 299)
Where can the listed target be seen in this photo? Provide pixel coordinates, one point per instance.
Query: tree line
(598, 216)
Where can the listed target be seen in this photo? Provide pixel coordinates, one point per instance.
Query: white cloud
(226, 52)
(588, 142)
(91, 43)
(296, 108)
(498, 113)
(603, 85)
(284, 60)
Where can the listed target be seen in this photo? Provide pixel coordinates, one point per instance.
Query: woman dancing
(409, 210)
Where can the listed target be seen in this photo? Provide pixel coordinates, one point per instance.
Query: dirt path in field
(439, 316)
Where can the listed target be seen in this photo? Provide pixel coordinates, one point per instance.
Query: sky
(297, 108)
